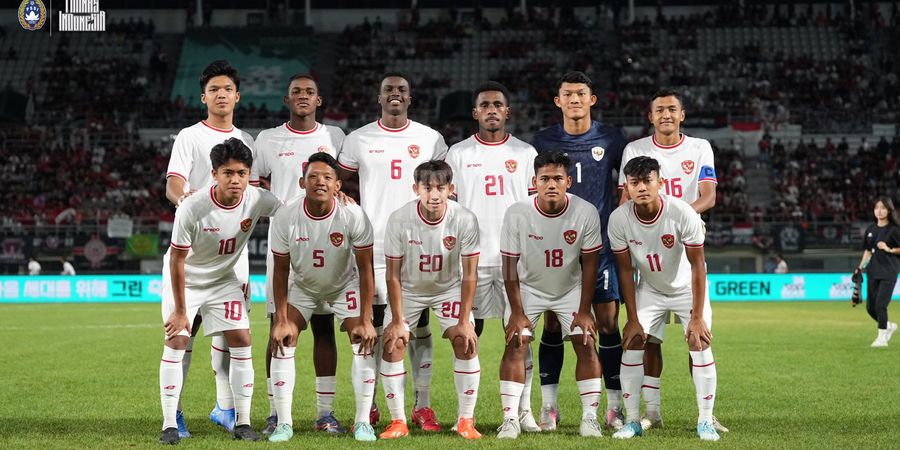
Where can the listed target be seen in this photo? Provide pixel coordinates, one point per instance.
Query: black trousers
(878, 298)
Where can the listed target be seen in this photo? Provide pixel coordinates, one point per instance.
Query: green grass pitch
(791, 375)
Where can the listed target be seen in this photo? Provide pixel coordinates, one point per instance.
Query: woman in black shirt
(881, 260)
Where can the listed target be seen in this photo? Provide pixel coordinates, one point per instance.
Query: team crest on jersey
(413, 151)
(598, 153)
(32, 14)
(570, 236)
(449, 242)
(246, 224)
(511, 165)
(336, 239)
(323, 149)
(668, 240)
(687, 167)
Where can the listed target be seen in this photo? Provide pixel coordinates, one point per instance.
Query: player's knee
(240, 338)
(636, 344)
(695, 344)
(177, 342)
(515, 353)
(582, 350)
(459, 349)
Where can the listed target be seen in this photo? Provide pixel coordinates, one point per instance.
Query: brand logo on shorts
(668, 240)
(323, 149)
(598, 152)
(246, 225)
(687, 167)
(413, 151)
(449, 242)
(336, 239)
(511, 165)
(570, 236)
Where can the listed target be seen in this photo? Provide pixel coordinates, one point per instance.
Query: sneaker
(182, 426)
(271, 423)
(590, 427)
(649, 422)
(363, 431)
(396, 429)
(629, 430)
(527, 422)
(718, 426)
(223, 418)
(329, 424)
(891, 328)
(880, 341)
(509, 429)
(283, 433)
(549, 418)
(615, 419)
(424, 418)
(245, 433)
(707, 432)
(374, 415)
(169, 436)
(466, 428)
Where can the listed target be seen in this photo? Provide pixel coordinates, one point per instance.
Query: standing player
(492, 170)
(542, 240)
(283, 152)
(664, 237)
(596, 150)
(425, 243)
(189, 171)
(209, 234)
(385, 153)
(688, 172)
(316, 241)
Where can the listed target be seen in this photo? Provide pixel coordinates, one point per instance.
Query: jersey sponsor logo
(246, 225)
(687, 167)
(336, 239)
(301, 239)
(535, 237)
(323, 149)
(413, 151)
(598, 153)
(469, 166)
(415, 242)
(282, 154)
(376, 151)
(449, 242)
(632, 241)
(570, 236)
(668, 240)
(511, 165)
(211, 229)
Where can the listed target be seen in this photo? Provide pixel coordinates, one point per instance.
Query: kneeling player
(320, 239)
(547, 235)
(426, 242)
(209, 234)
(664, 236)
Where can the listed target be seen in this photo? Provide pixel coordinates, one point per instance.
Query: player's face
(433, 195)
(881, 211)
(394, 96)
(320, 182)
(231, 179)
(643, 190)
(666, 114)
(491, 110)
(220, 95)
(575, 100)
(303, 97)
(552, 182)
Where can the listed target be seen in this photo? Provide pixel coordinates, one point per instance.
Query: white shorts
(221, 305)
(381, 295)
(490, 294)
(242, 275)
(445, 306)
(654, 308)
(344, 305)
(323, 309)
(565, 308)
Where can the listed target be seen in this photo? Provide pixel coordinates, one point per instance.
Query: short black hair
(321, 157)
(218, 68)
(302, 76)
(490, 86)
(552, 158)
(641, 167)
(433, 170)
(575, 76)
(667, 93)
(397, 74)
(232, 148)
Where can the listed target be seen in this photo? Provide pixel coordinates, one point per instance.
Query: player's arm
(633, 328)
(590, 263)
(707, 197)
(518, 322)
(283, 329)
(395, 330)
(864, 262)
(697, 328)
(366, 335)
(175, 190)
(178, 320)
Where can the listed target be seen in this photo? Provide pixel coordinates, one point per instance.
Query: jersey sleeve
(468, 236)
(280, 241)
(510, 244)
(529, 169)
(393, 239)
(362, 236)
(254, 169)
(691, 228)
(440, 148)
(868, 236)
(261, 161)
(618, 151)
(453, 161)
(707, 164)
(627, 155)
(184, 228)
(181, 160)
(268, 203)
(593, 237)
(347, 157)
(337, 138)
(617, 231)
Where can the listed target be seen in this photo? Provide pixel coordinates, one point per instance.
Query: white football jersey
(282, 152)
(684, 165)
(215, 234)
(190, 154)
(489, 178)
(385, 159)
(549, 246)
(657, 246)
(430, 251)
(321, 248)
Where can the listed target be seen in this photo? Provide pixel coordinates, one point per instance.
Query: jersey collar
(220, 130)
(306, 210)
(422, 216)
(662, 205)
(296, 131)
(561, 212)
(667, 147)
(212, 195)
(394, 130)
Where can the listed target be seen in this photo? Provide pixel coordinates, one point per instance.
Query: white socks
(420, 351)
(549, 394)
(466, 377)
(525, 401)
(325, 388)
(283, 379)
(186, 364)
(650, 392)
(171, 379)
(220, 360)
(631, 375)
(362, 371)
(241, 375)
(510, 394)
(393, 378)
(590, 391)
(704, 372)
(272, 411)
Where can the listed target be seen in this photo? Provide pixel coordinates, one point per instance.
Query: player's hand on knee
(515, 329)
(175, 323)
(396, 336)
(364, 335)
(281, 335)
(633, 336)
(466, 331)
(585, 321)
(697, 334)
